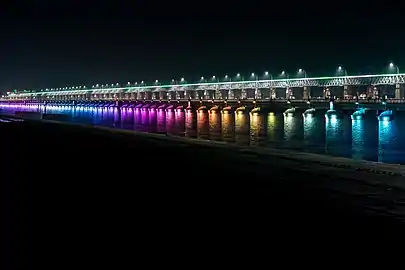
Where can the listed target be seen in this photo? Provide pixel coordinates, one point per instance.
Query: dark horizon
(81, 44)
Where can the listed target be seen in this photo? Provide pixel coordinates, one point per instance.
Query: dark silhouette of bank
(75, 194)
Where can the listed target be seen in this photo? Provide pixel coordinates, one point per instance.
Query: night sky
(51, 44)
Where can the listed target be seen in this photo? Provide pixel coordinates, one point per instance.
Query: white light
(252, 74)
(391, 64)
(238, 75)
(266, 73)
(141, 81)
(282, 72)
(156, 81)
(226, 76)
(182, 79)
(340, 68)
(202, 78)
(300, 70)
(129, 82)
(213, 77)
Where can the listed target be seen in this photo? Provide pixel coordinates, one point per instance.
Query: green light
(185, 84)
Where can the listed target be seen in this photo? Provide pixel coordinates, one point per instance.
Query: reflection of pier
(315, 133)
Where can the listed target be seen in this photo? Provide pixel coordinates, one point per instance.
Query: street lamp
(284, 74)
(267, 76)
(340, 69)
(302, 71)
(253, 76)
(238, 77)
(392, 65)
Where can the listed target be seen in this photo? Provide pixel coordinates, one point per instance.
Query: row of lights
(301, 72)
(253, 76)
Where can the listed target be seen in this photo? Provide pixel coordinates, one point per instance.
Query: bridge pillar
(273, 93)
(218, 94)
(306, 93)
(231, 94)
(376, 93)
(206, 94)
(178, 95)
(243, 94)
(197, 95)
(258, 94)
(398, 92)
(326, 93)
(155, 95)
(345, 91)
(288, 93)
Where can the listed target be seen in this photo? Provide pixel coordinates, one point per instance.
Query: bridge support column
(258, 94)
(345, 91)
(243, 94)
(398, 92)
(231, 94)
(326, 93)
(273, 93)
(206, 94)
(288, 93)
(162, 95)
(197, 95)
(306, 93)
(178, 95)
(218, 94)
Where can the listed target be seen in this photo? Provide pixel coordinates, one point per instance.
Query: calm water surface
(359, 139)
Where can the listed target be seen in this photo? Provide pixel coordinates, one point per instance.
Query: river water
(366, 139)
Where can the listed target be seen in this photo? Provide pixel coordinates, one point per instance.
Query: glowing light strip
(137, 88)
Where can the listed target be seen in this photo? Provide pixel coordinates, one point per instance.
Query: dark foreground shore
(74, 196)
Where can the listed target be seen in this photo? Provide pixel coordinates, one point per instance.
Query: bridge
(264, 88)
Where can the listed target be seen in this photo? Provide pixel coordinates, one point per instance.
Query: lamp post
(301, 71)
(284, 74)
(392, 66)
(340, 69)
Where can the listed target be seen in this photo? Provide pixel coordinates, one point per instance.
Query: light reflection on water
(214, 130)
(202, 126)
(228, 127)
(241, 129)
(358, 139)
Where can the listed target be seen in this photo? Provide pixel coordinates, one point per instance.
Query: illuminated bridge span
(390, 85)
